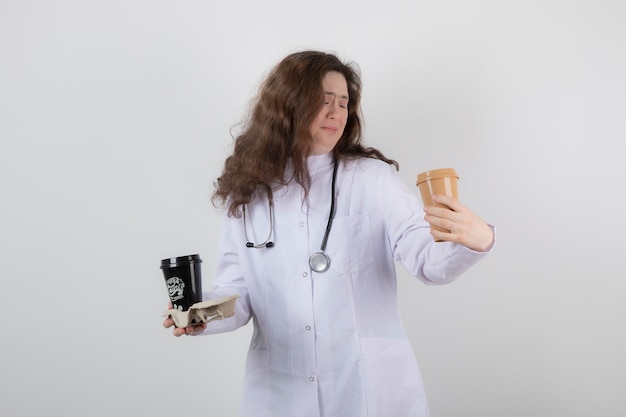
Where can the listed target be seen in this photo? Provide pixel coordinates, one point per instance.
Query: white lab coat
(332, 344)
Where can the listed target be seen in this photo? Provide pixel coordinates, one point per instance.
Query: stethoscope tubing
(331, 215)
(319, 261)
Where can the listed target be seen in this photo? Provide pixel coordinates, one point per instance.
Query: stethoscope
(319, 261)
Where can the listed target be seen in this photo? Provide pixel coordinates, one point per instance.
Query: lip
(330, 129)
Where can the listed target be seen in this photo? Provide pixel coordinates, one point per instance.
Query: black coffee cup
(183, 279)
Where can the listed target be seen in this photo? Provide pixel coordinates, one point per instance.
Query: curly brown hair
(277, 130)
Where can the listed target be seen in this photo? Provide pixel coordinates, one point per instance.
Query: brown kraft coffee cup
(437, 181)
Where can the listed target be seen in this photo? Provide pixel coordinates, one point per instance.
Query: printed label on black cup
(176, 289)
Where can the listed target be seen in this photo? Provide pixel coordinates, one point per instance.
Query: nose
(333, 109)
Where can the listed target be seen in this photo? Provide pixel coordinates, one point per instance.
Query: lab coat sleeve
(229, 280)
(410, 240)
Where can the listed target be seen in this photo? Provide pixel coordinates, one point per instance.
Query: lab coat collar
(315, 163)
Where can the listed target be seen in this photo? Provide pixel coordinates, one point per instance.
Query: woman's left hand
(464, 226)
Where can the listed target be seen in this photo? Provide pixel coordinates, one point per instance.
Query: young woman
(314, 222)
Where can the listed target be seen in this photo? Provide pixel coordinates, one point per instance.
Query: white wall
(114, 121)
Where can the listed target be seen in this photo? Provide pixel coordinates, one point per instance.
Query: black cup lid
(180, 260)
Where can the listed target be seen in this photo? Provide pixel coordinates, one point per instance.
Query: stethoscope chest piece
(319, 262)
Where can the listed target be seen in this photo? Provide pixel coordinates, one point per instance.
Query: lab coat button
(312, 378)
(308, 327)
(301, 224)
(305, 274)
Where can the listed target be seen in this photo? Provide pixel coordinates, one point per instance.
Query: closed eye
(343, 106)
(329, 96)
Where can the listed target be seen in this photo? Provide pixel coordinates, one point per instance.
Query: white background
(115, 118)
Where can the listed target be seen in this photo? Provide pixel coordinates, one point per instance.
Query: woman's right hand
(179, 331)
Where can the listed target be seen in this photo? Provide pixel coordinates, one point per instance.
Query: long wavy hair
(277, 129)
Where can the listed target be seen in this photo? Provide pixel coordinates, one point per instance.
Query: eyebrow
(330, 93)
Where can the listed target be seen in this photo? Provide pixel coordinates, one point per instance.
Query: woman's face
(327, 127)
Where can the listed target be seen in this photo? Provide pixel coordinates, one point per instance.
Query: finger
(168, 322)
(191, 330)
(437, 211)
(451, 202)
(442, 236)
(178, 331)
(443, 210)
(196, 329)
(441, 223)
(438, 235)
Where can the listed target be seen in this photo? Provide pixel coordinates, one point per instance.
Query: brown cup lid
(436, 173)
